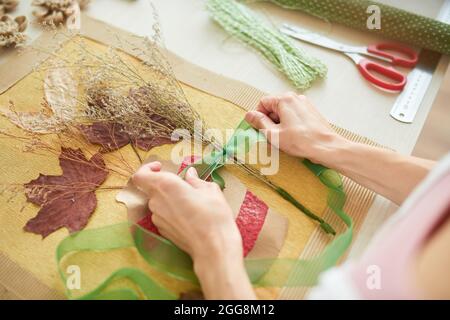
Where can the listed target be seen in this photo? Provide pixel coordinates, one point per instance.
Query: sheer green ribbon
(163, 255)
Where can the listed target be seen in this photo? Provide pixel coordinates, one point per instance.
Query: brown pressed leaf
(112, 136)
(67, 200)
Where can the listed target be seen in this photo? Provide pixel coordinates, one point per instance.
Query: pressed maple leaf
(67, 200)
(113, 136)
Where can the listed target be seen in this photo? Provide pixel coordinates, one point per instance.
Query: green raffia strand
(286, 196)
(288, 58)
(396, 24)
(164, 256)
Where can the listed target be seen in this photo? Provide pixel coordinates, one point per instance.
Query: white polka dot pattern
(396, 24)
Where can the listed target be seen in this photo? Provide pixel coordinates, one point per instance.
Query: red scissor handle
(369, 69)
(380, 50)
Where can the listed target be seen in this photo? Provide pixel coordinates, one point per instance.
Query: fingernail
(154, 166)
(191, 172)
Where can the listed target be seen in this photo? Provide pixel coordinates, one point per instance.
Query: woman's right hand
(292, 124)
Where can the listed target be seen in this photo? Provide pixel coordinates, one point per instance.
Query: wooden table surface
(189, 32)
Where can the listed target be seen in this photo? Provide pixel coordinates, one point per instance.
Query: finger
(150, 181)
(275, 118)
(155, 166)
(141, 174)
(259, 120)
(269, 104)
(159, 221)
(143, 179)
(192, 178)
(152, 166)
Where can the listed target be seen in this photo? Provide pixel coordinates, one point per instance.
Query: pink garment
(391, 255)
(395, 249)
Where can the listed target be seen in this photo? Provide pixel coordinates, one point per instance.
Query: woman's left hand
(194, 215)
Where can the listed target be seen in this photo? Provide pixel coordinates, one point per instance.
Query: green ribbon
(163, 255)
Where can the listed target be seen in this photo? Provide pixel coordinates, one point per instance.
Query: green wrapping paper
(396, 24)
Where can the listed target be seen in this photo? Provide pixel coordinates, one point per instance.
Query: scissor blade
(314, 38)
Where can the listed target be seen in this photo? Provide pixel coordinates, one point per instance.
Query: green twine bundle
(241, 23)
(396, 24)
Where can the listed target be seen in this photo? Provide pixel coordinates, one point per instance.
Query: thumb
(192, 178)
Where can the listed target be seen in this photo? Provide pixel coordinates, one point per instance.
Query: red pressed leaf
(147, 143)
(67, 200)
(250, 220)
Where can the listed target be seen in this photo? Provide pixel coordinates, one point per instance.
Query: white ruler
(409, 101)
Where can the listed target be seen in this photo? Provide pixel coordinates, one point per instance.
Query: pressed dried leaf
(112, 136)
(67, 200)
(61, 91)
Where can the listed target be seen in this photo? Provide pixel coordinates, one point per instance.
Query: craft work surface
(344, 98)
(37, 256)
(26, 255)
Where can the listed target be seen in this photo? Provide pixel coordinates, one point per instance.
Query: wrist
(222, 243)
(331, 150)
(222, 275)
(218, 263)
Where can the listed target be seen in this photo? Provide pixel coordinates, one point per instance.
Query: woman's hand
(194, 215)
(301, 130)
(293, 125)
(190, 211)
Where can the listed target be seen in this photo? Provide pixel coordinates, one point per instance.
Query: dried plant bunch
(12, 31)
(143, 100)
(113, 100)
(7, 6)
(55, 12)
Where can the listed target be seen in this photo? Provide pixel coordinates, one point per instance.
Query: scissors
(392, 53)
